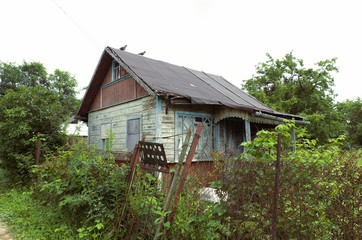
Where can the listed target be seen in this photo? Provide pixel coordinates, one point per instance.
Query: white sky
(226, 38)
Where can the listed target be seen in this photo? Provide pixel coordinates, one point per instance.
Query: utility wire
(96, 44)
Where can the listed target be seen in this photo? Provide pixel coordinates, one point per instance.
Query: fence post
(37, 153)
(173, 184)
(190, 156)
(276, 190)
(292, 133)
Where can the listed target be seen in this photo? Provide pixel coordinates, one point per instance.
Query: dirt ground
(4, 232)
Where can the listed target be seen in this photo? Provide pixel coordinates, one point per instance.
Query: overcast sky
(226, 38)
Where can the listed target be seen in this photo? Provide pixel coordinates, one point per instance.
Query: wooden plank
(247, 131)
(118, 115)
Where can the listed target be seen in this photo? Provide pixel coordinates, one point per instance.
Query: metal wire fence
(313, 201)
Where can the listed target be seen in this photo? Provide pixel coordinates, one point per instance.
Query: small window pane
(105, 130)
(133, 132)
(206, 140)
(116, 71)
(133, 126)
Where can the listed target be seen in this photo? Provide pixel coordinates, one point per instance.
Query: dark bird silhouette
(123, 48)
(142, 53)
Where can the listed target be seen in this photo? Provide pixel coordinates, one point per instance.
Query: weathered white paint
(158, 119)
(118, 115)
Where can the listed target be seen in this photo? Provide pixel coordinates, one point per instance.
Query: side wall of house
(117, 116)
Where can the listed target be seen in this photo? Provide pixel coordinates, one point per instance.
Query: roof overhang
(273, 118)
(99, 74)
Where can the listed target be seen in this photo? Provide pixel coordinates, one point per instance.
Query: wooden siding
(118, 92)
(112, 93)
(140, 91)
(118, 115)
(146, 107)
(96, 101)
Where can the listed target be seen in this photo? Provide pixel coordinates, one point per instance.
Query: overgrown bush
(196, 218)
(26, 115)
(319, 195)
(86, 185)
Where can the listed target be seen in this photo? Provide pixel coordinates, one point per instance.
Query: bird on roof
(142, 53)
(123, 48)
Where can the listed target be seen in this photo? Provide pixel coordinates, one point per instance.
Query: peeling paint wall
(117, 116)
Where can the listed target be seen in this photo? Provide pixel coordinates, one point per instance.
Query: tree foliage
(352, 117)
(33, 105)
(31, 74)
(286, 85)
(28, 114)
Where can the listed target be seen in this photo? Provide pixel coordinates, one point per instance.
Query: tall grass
(31, 218)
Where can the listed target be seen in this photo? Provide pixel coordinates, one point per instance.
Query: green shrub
(196, 218)
(319, 189)
(85, 184)
(26, 115)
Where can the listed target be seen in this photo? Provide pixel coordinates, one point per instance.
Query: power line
(95, 43)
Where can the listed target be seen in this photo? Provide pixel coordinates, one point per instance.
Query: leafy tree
(10, 77)
(27, 114)
(34, 73)
(64, 84)
(352, 115)
(286, 85)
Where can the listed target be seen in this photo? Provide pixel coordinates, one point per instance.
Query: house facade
(130, 95)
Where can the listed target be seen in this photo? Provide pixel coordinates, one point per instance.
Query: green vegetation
(352, 117)
(31, 218)
(79, 195)
(286, 85)
(85, 186)
(33, 74)
(26, 115)
(319, 195)
(33, 105)
(78, 192)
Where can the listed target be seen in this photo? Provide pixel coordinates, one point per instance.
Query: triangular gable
(104, 92)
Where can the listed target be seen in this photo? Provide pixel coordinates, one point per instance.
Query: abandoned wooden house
(130, 95)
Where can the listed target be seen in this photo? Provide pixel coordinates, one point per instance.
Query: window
(207, 141)
(105, 134)
(116, 70)
(133, 133)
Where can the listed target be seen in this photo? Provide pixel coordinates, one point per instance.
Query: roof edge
(90, 83)
(114, 55)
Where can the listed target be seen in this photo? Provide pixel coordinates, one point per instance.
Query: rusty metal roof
(162, 78)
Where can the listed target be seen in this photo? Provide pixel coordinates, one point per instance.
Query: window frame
(181, 135)
(116, 68)
(126, 132)
(103, 135)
